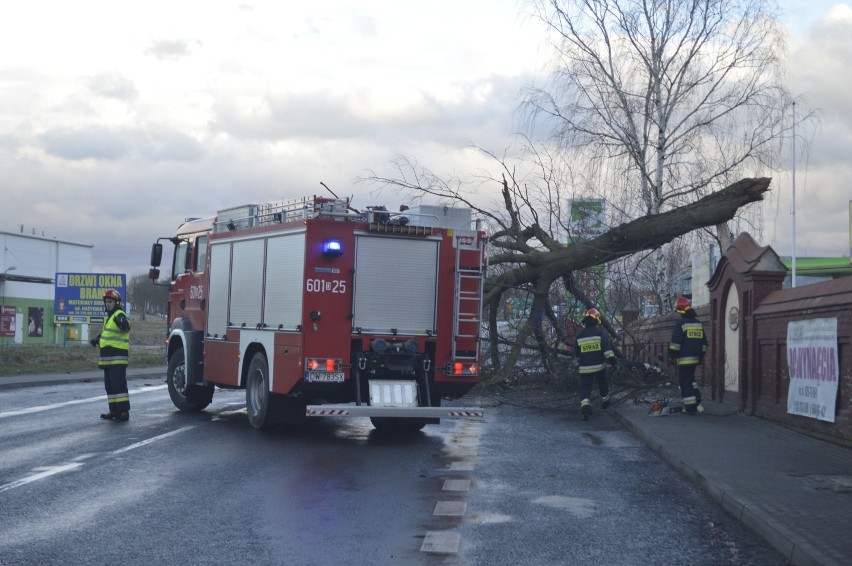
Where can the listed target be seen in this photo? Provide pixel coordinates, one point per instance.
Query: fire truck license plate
(324, 377)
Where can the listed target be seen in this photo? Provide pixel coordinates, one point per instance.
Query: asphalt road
(529, 485)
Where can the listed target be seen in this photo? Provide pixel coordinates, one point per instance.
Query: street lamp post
(3, 300)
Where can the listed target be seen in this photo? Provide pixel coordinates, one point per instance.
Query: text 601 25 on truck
(316, 309)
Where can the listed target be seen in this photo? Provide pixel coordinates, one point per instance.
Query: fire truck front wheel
(258, 398)
(185, 397)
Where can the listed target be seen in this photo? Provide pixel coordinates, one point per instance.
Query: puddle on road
(611, 439)
(836, 484)
(486, 518)
(461, 442)
(580, 508)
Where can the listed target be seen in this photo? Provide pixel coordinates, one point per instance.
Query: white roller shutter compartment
(247, 283)
(395, 285)
(217, 295)
(285, 274)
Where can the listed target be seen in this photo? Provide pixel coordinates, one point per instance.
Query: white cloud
(819, 73)
(113, 85)
(116, 122)
(170, 49)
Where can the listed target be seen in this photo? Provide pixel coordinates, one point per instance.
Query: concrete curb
(777, 535)
(12, 381)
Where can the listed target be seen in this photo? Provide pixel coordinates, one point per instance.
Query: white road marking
(41, 408)
(441, 542)
(150, 440)
(48, 471)
(82, 457)
(456, 485)
(461, 466)
(463, 448)
(450, 508)
(41, 475)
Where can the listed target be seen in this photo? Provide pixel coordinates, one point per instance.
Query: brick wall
(765, 311)
(831, 299)
(648, 341)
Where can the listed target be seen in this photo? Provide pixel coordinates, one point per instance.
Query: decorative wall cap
(746, 257)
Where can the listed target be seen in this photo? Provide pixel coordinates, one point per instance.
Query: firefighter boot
(699, 407)
(110, 416)
(586, 409)
(123, 416)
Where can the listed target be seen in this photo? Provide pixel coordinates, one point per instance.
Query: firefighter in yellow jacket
(593, 347)
(687, 349)
(114, 342)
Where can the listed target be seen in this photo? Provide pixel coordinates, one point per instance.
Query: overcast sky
(118, 120)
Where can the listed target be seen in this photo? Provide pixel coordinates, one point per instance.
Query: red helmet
(682, 304)
(593, 313)
(112, 294)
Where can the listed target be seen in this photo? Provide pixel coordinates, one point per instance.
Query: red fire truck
(317, 309)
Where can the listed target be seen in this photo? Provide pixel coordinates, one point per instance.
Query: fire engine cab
(317, 309)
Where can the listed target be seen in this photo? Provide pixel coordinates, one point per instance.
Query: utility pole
(794, 194)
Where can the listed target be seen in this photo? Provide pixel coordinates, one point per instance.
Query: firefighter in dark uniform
(114, 342)
(594, 348)
(687, 349)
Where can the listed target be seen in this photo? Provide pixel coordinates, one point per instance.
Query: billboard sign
(35, 326)
(587, 220)
(80, 295)
(7, 320)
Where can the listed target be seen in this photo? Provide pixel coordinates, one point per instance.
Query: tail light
(323, 364)
(461, 369)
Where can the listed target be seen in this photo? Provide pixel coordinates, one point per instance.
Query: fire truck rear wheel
(186, 398)
(258, 397)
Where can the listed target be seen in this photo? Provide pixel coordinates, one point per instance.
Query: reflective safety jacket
(115, 340)
(689, 343)
(593, 347)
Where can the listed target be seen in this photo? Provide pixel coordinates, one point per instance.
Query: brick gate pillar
(752, 271)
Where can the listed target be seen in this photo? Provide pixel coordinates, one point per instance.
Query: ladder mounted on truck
(467, 310)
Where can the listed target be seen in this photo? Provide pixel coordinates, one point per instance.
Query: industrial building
(27, 286)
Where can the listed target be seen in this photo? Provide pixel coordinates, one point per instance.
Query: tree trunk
(645, 233)
(538, 269)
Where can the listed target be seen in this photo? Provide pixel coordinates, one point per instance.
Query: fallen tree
(529, 257)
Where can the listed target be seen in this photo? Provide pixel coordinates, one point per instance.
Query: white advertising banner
(812, 359)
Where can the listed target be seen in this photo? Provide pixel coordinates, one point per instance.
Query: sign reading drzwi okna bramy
(79, 296)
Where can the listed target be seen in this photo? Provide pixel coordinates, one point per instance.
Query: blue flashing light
(332, 248)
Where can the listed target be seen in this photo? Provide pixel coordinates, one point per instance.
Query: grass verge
(147, 349)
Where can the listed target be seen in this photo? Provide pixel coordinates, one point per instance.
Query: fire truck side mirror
(154, 274)
(156, 254)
